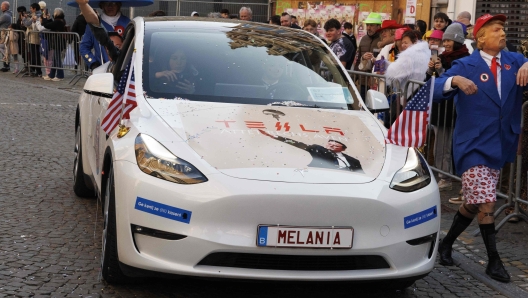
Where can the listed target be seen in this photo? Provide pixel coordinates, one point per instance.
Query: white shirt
(341, 159)
(487, 58)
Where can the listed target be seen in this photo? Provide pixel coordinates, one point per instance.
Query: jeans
(57, 63)
(35, 57)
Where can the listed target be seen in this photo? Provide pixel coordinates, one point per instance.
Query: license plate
(307, 237)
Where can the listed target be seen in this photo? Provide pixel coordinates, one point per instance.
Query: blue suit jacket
(88, 42)
(487, 126)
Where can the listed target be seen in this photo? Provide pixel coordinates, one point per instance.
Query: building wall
(457, 6)
(423, 10)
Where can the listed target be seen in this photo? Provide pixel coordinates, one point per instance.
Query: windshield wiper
(292, 103)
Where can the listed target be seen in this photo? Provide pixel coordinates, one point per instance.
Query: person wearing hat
(195, 14)
(487, 87)
(435, 39)
(387, 32)
(389, 51)
(411, 64)
(111, 20)
(365, 51)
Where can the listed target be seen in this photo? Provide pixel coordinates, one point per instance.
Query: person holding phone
(443, 114)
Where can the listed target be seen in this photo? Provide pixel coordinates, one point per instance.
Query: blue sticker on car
(163, 210)
(420, 217)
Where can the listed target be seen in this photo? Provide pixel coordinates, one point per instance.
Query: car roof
(221, 24)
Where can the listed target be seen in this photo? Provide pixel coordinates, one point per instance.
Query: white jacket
(411, 64)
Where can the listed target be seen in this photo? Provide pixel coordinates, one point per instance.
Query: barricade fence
(47, 53)
(57, 52)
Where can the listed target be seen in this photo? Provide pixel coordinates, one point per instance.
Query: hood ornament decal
(274, 113)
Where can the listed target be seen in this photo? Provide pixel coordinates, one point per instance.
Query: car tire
(80, 187)
(110, 269)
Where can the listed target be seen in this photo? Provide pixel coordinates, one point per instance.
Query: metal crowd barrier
(14, 48)
(53, 53)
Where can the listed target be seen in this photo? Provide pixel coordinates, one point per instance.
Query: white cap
(42, 5)
(194, 13)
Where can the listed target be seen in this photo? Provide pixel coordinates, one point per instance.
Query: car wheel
(109, 259)
(79, 185)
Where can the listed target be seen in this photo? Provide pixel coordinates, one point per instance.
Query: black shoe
(5, 69)
(444, 252)
(497, 271)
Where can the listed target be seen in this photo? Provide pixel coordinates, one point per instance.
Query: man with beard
(366, 49)
(112, 20)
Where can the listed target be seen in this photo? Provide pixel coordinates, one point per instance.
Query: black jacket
(322, 157)
(79, 26)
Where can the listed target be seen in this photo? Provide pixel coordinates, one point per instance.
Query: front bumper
(226, 212)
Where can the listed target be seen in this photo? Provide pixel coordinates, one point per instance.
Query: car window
(244, 64)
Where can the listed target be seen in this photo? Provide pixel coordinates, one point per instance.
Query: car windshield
(242, 63)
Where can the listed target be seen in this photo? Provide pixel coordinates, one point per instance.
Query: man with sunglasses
(112, 20)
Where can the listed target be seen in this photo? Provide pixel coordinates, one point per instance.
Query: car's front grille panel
(290, 262)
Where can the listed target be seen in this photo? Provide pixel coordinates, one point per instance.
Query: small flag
(125, 93)
(410, 129)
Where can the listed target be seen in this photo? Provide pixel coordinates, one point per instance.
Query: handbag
(69, 57)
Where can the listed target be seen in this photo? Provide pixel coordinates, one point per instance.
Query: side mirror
(376, 102)
(100, 84)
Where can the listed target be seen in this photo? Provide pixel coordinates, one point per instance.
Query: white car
(246, 159)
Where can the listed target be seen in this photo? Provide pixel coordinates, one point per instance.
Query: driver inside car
(278, 84)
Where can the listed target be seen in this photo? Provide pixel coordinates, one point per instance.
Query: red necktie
(494, 66)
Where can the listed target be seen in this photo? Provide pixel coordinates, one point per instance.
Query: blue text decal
(262, 236)
(420, 217)
(163, 210)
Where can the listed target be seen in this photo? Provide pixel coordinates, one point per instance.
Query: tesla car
(249, 155)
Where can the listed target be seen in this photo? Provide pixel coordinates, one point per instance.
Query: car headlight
(156, 160)
(414, 174)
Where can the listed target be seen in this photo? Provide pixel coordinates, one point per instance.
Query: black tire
(80, 187)
(109, 259)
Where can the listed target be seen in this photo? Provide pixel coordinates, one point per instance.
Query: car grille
(290, 262)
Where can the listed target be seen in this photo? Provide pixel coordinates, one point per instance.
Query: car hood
(277, 143)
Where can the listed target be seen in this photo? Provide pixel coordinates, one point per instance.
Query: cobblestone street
(51, 240)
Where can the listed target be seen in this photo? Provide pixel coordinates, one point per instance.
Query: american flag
(125, 93)
(410, 129)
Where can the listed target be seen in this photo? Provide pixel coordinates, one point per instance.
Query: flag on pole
(410, 129)
(123, 101)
